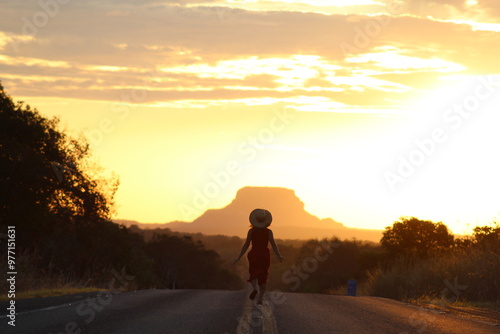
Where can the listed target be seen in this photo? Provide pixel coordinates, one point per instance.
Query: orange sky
(369, 111)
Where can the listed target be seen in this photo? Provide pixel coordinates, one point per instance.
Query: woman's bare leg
(261, 293)
(254, 284)
(254, 292)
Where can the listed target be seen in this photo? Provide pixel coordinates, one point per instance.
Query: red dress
(259, 257)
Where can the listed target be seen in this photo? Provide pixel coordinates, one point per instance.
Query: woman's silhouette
(259, 257)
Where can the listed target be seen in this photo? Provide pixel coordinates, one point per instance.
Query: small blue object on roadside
(351, 287)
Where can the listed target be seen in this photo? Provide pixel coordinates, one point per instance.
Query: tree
(181, 262)
(487, 235)
(415, 236)
(59, 204)
(45, 186)
(328, 264)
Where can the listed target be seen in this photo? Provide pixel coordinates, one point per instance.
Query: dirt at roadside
(479, 314)
(476, 313)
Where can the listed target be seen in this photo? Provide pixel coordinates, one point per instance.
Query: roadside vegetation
(465, 270)
(416, 261)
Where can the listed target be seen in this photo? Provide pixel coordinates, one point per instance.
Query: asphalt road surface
(229, 312)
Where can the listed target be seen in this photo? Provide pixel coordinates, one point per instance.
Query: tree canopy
(42, 175)
(487, 235)
(415, 236)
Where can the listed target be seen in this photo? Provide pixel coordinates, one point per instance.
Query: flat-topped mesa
(287, 210)
(268, 197)
(290, 219)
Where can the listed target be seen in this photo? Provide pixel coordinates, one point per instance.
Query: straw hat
(261, 218)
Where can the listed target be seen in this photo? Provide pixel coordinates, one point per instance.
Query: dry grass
(461, 278)
(35, 282)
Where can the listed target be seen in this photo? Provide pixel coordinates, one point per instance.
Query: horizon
(242, 234)
(368, 112)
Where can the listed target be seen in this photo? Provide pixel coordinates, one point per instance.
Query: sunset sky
(368, 109)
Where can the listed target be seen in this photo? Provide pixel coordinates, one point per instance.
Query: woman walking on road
(259, 257)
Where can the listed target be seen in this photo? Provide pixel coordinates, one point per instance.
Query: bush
(474, 271)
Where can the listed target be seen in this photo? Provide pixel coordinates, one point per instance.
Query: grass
(41, 293)
(463, 274)
(38, 282)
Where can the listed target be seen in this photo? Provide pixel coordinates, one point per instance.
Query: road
(229, 312)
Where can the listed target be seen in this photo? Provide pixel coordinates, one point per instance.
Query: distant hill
(290, 220)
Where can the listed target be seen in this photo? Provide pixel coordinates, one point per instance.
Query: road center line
(244, 321)
(254, 316)
(268, 321)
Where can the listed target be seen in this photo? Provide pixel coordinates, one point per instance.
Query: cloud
(491, 6)
(188, 53)
(485, 11)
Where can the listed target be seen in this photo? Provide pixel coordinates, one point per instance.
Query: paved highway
(229, 312)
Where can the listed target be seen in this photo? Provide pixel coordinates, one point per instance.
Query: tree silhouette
(487, 236)
(415, 236)
(322, 265)
(182, 263)
(45, 187)
(60, 207)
